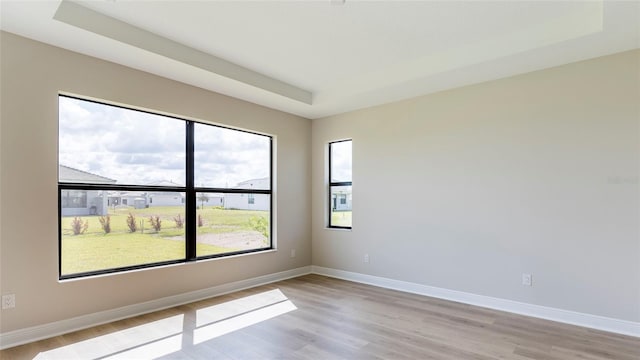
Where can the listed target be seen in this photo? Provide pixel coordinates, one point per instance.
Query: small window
(340, 184)
(251, 199)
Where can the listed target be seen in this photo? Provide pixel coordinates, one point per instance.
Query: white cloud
(135, 147)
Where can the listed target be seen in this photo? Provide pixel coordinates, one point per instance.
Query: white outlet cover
(8, 301)
(526, 279)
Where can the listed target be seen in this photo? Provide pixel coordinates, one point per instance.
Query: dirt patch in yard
(239, 240)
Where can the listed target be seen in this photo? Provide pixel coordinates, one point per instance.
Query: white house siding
(135, 199)
(166, 199)
(82, 202)
(337, 202)
(241, 202)
(213, 200)
(216, 200)
(96, 204)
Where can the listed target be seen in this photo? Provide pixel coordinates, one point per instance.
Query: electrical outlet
(8, 301)
(526, 279)
(366, 258)
(293, 253)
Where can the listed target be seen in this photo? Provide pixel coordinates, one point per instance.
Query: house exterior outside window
(82, 202)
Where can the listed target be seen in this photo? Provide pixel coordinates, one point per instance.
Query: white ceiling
(315, 58)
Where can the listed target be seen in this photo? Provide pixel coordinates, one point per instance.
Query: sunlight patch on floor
(153, 350)
(166, 336)
(238, 322)
(237, 307)
(119, 341)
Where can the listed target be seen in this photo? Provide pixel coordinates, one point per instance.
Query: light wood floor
(315, 317)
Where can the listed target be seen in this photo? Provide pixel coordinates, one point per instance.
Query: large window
(340, 184)
(138, 189)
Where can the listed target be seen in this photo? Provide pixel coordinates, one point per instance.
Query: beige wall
(467, 189)
(464, 189)
(32, 75)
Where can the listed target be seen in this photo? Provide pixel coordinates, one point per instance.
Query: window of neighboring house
(251, 199)
(340, 184)
(107, 150)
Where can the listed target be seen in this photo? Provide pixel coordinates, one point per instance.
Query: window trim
(333, 184)
(190, 202)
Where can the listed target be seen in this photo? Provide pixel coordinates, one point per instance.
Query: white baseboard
(564, 316)
(23, 336)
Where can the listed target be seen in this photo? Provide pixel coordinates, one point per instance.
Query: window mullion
(190, 201)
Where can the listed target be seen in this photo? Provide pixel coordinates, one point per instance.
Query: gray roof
(69, 174)
(165, 183)
(253, 180)
(260, 184)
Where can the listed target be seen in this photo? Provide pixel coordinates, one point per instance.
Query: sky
(138, 148)
(341, 161)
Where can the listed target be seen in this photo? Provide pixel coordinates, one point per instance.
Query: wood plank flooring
(315, 317)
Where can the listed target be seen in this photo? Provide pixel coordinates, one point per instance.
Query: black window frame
(333, 184)
(190, 200)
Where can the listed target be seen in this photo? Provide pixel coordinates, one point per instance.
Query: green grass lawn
(94, 250)
(341, 218)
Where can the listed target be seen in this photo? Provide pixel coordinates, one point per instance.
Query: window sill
(338, 229)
